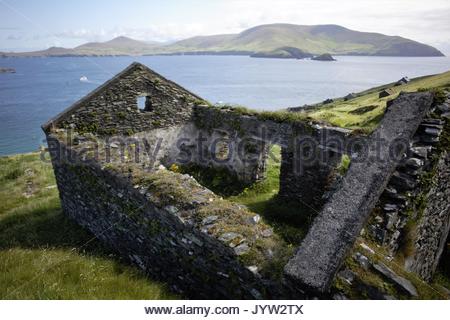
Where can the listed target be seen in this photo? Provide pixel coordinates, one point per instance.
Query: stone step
(433, 131)
(392, 218)
(402, 182)
(431, 125)
(419, 152)
(389, 207)
(428, 139)
(432, 121)
(414, 163)
(396, 198)
(409, 171)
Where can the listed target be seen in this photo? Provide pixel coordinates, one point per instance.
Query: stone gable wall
(112, 108)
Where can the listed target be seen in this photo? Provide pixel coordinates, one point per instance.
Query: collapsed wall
(339, 222)
(413, 214)
(404, 242)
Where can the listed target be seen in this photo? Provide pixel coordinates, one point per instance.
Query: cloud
(165, 32)
(84, 34)
(161, 32)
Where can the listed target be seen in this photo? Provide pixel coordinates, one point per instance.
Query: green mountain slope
(265, 40)
(313, 39)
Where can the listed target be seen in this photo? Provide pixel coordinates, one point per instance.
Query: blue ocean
(42, 87)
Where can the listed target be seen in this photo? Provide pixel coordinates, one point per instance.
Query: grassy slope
(350, 114)
(271, 37)
(314, 39)
(44, 255)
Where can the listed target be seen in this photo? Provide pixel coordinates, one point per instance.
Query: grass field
(44, 255)
(366, 110)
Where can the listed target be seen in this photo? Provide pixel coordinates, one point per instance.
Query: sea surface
(43, 87)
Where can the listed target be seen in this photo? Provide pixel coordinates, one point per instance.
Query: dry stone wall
(434, 226)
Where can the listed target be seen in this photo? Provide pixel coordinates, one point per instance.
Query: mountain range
(271, 40)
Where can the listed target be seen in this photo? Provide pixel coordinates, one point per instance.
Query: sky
(39, 24)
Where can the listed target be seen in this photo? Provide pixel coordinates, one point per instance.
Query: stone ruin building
(112, 149)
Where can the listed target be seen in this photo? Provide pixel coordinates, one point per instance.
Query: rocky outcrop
(7, 70)
(324, 57)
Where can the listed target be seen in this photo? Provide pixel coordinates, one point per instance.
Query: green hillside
(366, 109)
(318, 39)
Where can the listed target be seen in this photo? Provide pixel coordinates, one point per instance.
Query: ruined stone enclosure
(117, 152)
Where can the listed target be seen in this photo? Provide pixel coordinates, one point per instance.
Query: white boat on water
(84, 79)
